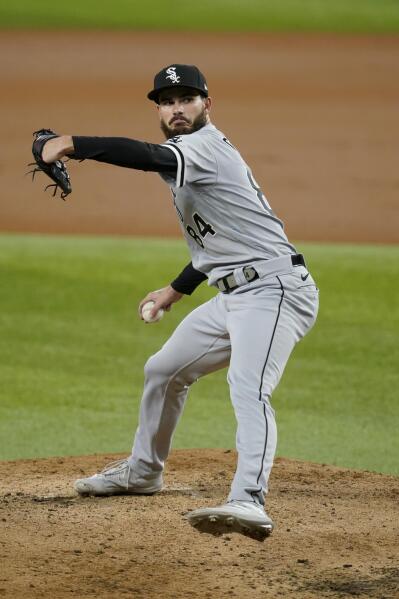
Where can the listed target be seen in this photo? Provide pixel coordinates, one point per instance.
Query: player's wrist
(174, 294)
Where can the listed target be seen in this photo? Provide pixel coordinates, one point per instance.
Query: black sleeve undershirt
(126, 152)
(188, 280)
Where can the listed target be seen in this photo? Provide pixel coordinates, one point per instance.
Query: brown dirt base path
(336, 534)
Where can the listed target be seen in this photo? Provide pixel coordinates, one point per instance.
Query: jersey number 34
(203, 228)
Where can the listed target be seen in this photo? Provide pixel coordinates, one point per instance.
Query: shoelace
(118, 466)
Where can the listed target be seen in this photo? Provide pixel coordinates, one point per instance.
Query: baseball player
(266, 302)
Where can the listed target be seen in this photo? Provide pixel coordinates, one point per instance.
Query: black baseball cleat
(245, 517)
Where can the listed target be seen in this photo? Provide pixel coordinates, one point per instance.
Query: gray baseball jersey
(225, 217)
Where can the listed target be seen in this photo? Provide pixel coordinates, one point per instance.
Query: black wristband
(188, 280)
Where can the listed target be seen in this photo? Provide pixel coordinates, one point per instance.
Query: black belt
(228, 283)
(298, 260)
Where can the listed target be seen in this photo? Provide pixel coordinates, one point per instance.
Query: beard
(200, 121)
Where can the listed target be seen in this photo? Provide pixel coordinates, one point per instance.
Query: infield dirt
(336, 534)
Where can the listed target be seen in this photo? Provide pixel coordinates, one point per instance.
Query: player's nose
(178, 108)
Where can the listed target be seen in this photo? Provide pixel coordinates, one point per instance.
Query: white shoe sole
(217, 524)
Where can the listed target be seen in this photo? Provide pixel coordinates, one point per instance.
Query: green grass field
(358, 16)
(72, 352)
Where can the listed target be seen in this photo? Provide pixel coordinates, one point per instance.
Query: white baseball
(146, 312)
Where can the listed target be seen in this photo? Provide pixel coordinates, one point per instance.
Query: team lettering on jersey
(179, 214)
(229, 143)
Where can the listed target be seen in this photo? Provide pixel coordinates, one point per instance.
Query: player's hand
(163, 298)
(56, 148)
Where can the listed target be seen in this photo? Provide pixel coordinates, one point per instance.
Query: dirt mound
(336, 534)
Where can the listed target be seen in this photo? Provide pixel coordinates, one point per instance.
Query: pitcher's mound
(336, 534)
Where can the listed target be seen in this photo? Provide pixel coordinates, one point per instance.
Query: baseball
(146, 312)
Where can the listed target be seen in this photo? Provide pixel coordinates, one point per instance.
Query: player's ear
(208, 103)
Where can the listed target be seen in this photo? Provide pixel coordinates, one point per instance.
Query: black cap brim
(154, 94)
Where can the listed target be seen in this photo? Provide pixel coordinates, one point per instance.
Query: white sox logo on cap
(178, 75)
(172, 75)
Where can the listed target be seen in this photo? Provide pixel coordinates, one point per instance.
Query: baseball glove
(57, 170)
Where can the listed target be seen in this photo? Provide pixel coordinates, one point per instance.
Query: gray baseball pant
(253, 330)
